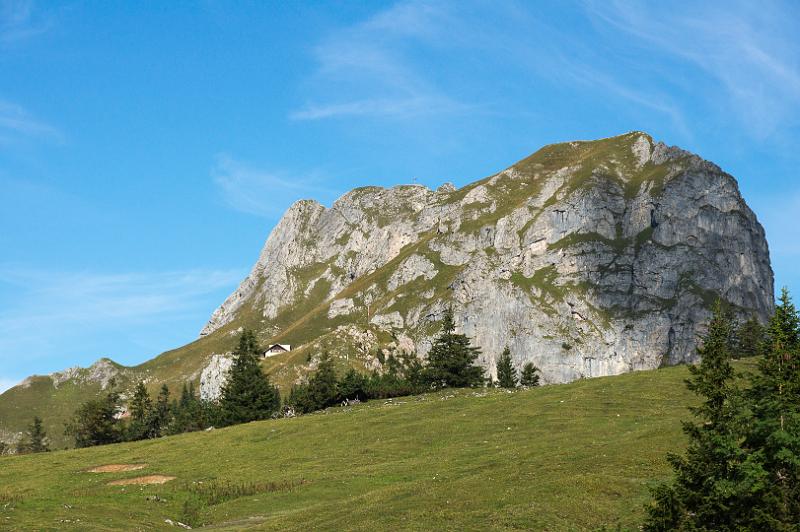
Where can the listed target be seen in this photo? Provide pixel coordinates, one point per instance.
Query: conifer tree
(750, 339)
(529, 375)
(322, 389)
(189, 413)
(95, 422)
(247, 394)
(709, 491)
(38, 436)
(162, 413)
(352, 386)
(35, 438)
(402, 367)
(298, 399)
(775, 433)
(451, 360)
(506, 373)
(142, 414)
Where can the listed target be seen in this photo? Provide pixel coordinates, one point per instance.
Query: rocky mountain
(587, 258)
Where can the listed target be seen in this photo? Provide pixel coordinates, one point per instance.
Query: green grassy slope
(567, 457)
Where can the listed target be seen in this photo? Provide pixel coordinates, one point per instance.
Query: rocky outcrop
(102, 372)
(587, 258)
(213, 377)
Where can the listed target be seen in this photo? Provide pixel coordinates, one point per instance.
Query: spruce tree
(247, 394)
(95, 422)
(529, 375)
(506, 373)
(352, 386)
(322, 387)
(775, 434)
(451, 360)
(710, 490)
(162, 412)
(750, 339)
(298, 399)
(35, 439)
(189, 413)
(142, 414)
(38, 437)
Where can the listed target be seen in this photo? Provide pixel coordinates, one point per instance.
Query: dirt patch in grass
(116, 468)
(149, 479)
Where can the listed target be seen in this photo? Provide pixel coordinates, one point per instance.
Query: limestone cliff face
(587, 258)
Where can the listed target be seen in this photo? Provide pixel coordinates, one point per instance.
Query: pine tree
(322, 389)
(403, 369)
(750, 339)
(189, 412)
(506, 373)
(142, 414)
(298, 399)
(775, 433)
(95, 422)
(451, 360)
(247, 394)
(162, 413)
(712, 488)
(352, 386)
(37, 436)
(529, 375)
(35, 439)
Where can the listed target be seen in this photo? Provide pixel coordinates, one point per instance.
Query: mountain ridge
(587, 257)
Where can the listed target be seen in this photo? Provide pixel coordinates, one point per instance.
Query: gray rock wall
(587, 258)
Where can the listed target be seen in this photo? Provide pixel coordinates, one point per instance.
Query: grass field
(570, 457)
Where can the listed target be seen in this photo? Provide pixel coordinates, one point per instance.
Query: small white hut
(277, 349)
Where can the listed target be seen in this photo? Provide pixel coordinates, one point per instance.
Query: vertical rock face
(586, 258)
(214, 376)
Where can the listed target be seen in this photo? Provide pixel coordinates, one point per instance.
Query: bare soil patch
(116, 468)
(149, 479)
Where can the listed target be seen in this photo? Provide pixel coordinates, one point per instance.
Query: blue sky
(147, 149)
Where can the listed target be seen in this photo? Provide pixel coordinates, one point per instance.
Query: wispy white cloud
(739, 60)
(407, 107)
(396, 64)
(371, 63)
(748, 49)
(16, 122)
(21, 20)
(43, 311)
(582, 68)
(264, 193)
(86, 298)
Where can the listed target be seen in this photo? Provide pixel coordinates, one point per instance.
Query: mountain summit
(587, 258)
